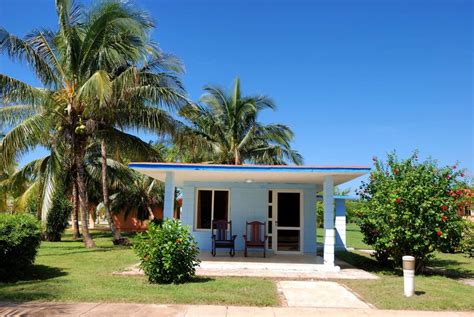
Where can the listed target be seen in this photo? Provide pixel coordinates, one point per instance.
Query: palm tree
(143, 194)
(160, 70)
(225, 129)
(74, 65)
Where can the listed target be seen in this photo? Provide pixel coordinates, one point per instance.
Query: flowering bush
(168, 252)
(411, 209)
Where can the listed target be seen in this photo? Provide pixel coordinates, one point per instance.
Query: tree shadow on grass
(74, 250)
(36, 272)
(201, 279)
(448, 268)
(365, 262)
(439, 267)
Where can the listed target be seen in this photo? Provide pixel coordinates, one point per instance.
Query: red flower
(398, 200)
(443, 218)
(454, 167)
(444, 208)
(439, 233)
(462, 175)
(459, 192)
(395, 171)
(448, 176)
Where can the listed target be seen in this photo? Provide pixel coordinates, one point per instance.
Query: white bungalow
(282, 196)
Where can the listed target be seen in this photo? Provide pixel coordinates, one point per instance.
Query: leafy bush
(58, 216)
(411, 209)
(20, 237)
(467, 242)
(168, 252)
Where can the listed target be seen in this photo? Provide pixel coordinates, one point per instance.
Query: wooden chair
(221, 237)
(254, 237)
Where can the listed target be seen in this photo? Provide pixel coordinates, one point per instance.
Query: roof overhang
(249, 173)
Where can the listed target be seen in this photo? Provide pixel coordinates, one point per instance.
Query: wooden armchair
(254, 236)
(221, 237)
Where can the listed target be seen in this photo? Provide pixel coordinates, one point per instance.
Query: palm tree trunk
(150, 212)
(236, 156)
(79, 152)
(105, 192)
(75, 207)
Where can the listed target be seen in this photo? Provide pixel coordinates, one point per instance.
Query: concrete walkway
(109, 309)
(321, 294)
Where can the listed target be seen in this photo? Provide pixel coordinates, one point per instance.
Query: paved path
(321, 294)
(109, 309)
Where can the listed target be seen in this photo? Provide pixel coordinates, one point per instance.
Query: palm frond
(21, 50)
(23, 137)
(97, 88)
(11, 115)
(15, 91)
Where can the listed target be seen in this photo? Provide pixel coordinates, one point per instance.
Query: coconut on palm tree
(75, 65)
(225, 129)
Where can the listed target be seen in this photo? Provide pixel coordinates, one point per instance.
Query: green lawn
(438, 289)
(353, 237)
(66, 271)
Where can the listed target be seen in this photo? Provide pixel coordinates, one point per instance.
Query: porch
(275, 266)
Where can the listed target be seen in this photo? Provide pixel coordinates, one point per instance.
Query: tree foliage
(225, 129)
(58, 216)
(19, 242)
(411, 208)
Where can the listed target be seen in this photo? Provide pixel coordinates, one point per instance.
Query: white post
(329, 232)
(168, 207)
(341, 224)
(408, 275)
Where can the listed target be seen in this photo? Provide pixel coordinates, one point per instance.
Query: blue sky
(353, 79)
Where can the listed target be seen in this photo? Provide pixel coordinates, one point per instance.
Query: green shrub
(33, 206)
(20, 237)
(168, 252)
(467, 242)
(411, 209)
(58, 216)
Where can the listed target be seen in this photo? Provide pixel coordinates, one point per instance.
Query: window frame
(196, 201)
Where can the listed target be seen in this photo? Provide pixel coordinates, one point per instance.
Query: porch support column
(329, 232)
(340, 224)
(168, 204)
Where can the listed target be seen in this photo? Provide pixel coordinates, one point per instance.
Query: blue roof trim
(256, 168)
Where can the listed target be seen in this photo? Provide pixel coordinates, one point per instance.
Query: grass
(66, 271)
(438, 289)
(353, 237)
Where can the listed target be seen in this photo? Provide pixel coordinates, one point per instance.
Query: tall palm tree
(160, 69)
(74, 65)
(225, 129)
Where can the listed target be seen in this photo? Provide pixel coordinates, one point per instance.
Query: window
(211, 204)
